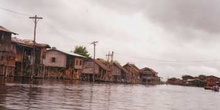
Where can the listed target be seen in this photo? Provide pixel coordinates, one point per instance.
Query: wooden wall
(116, 71)
(78, 63)
(88, 68)
(60, 59)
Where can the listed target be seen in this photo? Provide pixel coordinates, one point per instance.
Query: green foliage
(202, 77)
(81, 50)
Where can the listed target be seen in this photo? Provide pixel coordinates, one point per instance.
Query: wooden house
(211, 81)
(149, 76)
(63, 64)
(133, 75)
(195, 82)
(95, 70)
(7, 57)
(175, 81)
(187, 77)
(25, 59)
(118, 72)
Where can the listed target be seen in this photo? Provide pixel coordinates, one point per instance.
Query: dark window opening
(1, 36)
(76, 62)
(80, 62)
(53, 59)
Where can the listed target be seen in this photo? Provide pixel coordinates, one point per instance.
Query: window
(80, 62)
(1, 36)
(53, 59)
(76, 62)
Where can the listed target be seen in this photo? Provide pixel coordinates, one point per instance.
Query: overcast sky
(174, 37)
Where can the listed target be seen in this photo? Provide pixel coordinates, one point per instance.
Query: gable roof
(27, 42)
(67, 53)
(119, 66)
(212, 76)
(102, 65)
(6, 30)
(132, 66)
(148, 69)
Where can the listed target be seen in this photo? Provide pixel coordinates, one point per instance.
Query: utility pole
(108, 55)
(111, 65)
(112, 57)
(35, 18)
(93, 76)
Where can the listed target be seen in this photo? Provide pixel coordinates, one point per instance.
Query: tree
(81, 50)
(202, 77)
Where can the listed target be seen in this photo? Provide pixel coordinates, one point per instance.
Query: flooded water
(20, 94)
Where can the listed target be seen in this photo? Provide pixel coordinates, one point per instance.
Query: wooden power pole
(108, 55)
(35, 18)
(93, 76)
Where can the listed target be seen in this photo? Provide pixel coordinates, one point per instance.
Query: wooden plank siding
(7, 57)
(149, 76)
(67, 65)
(95, 68)
(133, 75)
(24, 57)
(55, 59)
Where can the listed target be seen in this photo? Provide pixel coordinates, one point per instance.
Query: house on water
(133, 75)
(118, 72)
(211, 81)
(149, 76)
(95, 70)
(7, 57)
(24, 58)
(61, 64)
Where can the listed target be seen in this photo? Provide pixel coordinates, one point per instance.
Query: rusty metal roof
(119, 66)
(102, 65)
(148, 69)
(28, 42)
(132, 66)
(67, 53)
(6, 30)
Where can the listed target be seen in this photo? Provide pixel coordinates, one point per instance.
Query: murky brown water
(71, 95)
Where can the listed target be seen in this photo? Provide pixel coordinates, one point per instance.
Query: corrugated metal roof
(148, 69)
(102, 65)
(5, 30)
(28, 42)
(119, 66)
(132, 66)
(68, 53)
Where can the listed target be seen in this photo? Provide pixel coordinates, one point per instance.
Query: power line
(14, 11)
(148, 59)
(52, 27)
(170, 61)
(61, 34)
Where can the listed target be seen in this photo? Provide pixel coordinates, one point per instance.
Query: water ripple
(69, 95)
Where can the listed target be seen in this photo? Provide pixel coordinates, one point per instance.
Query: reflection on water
(23, 94)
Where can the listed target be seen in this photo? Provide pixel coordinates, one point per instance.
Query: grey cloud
(173, 14)
(191, 29)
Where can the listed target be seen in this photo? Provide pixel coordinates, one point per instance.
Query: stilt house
(7, 57)
(25, 59)
(133, 75)
(95, 70)
(149, 76)
(63, 64)
(118, 72)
